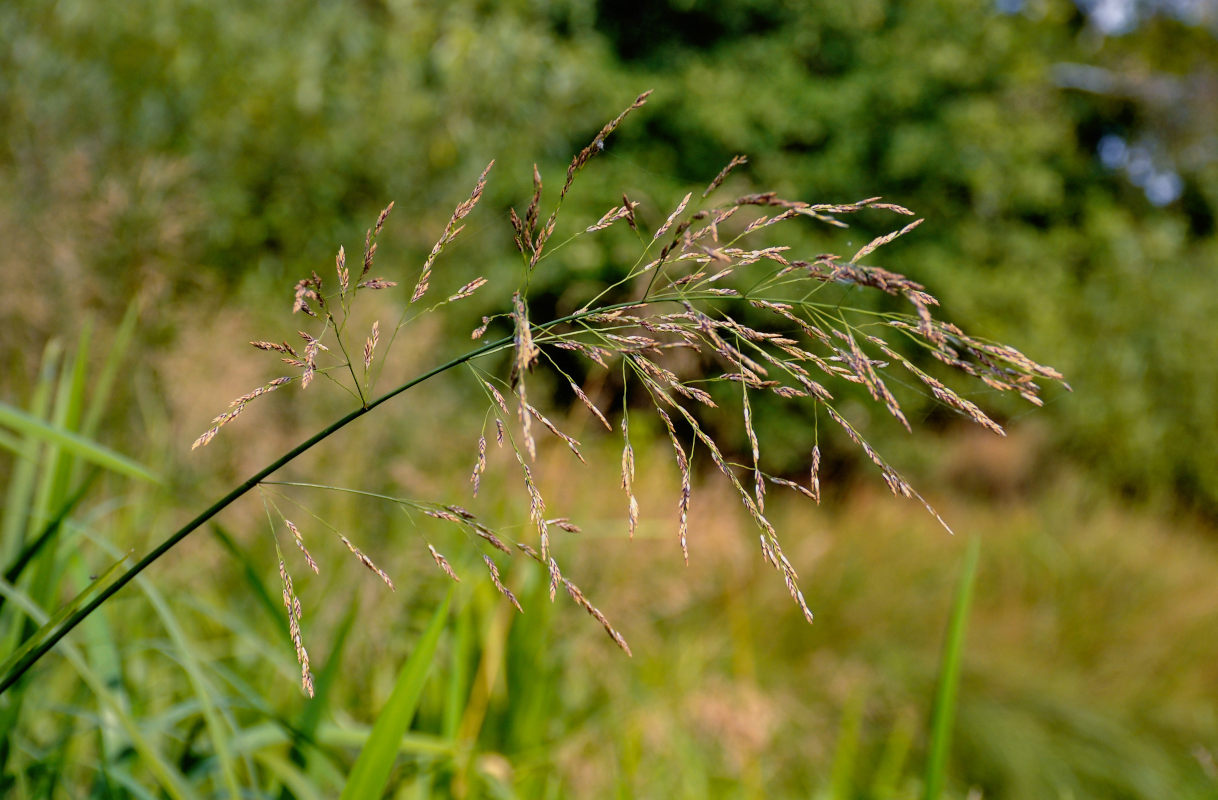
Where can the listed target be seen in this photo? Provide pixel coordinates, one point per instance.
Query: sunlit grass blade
(841, 781)
(13, 571)
(170, 779)
(249, 570)
(20, 495)
(101, 386)
(218, 728)
(943, 712)
(371, 771)
(74, 443)
(892, 760)
(297, 784)
(51, 626)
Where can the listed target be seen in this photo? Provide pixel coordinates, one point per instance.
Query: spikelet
(480, 466)
(672, 217)
(235, 408)
(370, 344)
(300, 543)
(503, 590)
(596, 614)
(628, 476)
(723, 173)
(344, 277)
(450, 232)
(596, 412)
(686, 490)
(442, 563)
(468, 289)
(367, 562)
(292, 603)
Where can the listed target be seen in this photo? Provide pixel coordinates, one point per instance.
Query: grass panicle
(712, 301)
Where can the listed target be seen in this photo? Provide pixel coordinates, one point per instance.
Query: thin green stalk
(215, 508)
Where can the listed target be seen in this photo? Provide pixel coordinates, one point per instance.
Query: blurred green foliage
(192, 155)
(173, 149)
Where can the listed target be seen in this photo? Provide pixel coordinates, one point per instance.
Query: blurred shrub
(156, 146)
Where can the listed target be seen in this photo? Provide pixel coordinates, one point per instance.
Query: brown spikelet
(367, 562)
(344, 277)
(304, 293)
(598, 142)
(880, 241)
(380, 219)
(526, 355)
(370, 345)
(537, 508)
(468, 289)
(479, 466)
(596, 614)
(596, 412)
(235, 408)
(758, 483)
(686, 490)
(300, 543)
(526, 352)
(530, 216)
(571, 443)
(446, 514)
(518, 227)
(275, 347)
(450, 232)
(292, 603)
(369, 254)
(613, 215)
(672, 217)
(628, 476)
(555, 577)
(791, 485)
(723, 173)
(478, 332)
(940, 391)
(628, 206)
(487, 534)
(815, 479)
(564, 524)
(377, 283)
(443, 564)
(498, 397)
(776, 557)
(503, 590)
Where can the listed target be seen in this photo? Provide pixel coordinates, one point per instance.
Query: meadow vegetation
(170, 171)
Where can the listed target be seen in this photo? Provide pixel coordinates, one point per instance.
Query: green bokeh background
(196, 159)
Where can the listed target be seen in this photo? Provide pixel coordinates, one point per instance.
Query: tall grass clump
(713, 313)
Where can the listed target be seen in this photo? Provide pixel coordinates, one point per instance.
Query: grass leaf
(80, 446)
(944, 711)
(371, 771)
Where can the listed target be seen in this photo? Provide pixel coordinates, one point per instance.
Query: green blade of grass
(19, 498)
(944, 711)
(52, 625)
(841, 781)
(170, 779)
(892, 760)
(81, 446)
(371, 771)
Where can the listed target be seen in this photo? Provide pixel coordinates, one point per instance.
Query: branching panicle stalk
(755, 315)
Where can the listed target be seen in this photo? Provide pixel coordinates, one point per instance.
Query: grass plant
(703, 320)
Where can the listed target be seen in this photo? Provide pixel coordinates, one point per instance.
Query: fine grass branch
(757, 320)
